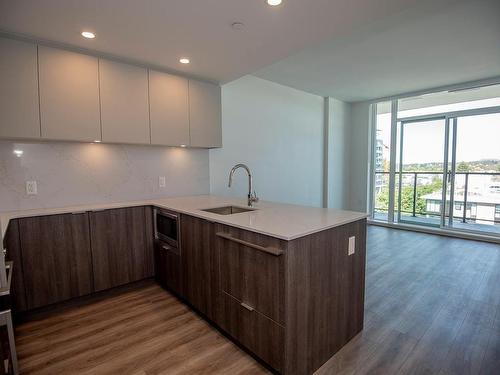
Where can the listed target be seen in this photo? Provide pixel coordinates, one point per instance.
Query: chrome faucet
(252, 196)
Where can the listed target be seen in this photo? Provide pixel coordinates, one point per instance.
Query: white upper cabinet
(169, 112)
(124, 103)
(54, 94)
(19, 116)
(205, 114)
(69, 95)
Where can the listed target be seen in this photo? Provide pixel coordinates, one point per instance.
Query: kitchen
(170, 205)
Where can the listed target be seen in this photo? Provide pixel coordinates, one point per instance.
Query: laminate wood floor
(432, 307)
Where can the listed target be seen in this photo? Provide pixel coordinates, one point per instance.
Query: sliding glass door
(422, 165)
(474, 184)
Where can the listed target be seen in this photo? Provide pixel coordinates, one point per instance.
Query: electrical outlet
(31, 188)
(352, 246)
(161, 181)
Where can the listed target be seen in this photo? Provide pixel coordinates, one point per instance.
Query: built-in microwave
(167, 227)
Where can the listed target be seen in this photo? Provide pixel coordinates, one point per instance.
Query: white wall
(359, 156)
(278, 132)
(83, 173)
(339, 139)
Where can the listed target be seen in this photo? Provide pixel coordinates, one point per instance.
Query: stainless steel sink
(228, 210)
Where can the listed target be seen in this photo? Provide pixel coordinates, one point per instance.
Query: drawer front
(260, 335)
(250, 273)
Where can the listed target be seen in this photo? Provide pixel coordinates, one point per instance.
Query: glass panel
(477, 187)
(422, 172)
(382, 161)
(166, 226)
(381, 206)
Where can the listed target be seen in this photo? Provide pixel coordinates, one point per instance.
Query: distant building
(481, 207)
(379, 166)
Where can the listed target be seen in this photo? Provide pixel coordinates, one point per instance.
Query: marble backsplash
(85, 173)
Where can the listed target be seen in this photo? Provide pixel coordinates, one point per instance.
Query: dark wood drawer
(252, 270)
(253, 330)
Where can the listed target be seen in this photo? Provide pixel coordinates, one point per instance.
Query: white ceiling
(158, 32)
(434, 44)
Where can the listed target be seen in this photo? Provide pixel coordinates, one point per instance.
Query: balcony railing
(414, 212)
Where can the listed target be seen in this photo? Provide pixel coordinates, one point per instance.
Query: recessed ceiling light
(184, 60)
(18, 153)
(237, 25)
(183, 145)
(274, 3)
(88, 34)
(97, 141)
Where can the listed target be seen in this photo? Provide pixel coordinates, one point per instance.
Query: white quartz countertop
(284, 221)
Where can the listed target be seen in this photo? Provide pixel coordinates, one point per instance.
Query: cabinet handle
(165, 247)
(267, 249)
(248, 307)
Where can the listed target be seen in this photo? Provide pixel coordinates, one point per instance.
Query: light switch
(352, 245)
(161, 181)
(31, 188)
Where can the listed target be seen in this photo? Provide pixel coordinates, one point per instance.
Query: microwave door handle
(167, 214)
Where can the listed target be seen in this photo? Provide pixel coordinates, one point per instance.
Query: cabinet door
(69, 95)
(12, 244)
(167, 267)
(19, 115)
(56, 258)
(120, 248)
(124, 103)
(205, 114)
(168, 101)
(199, 265)
(160, 265)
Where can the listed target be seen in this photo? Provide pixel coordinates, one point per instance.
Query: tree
(382, 198)
(463, 167)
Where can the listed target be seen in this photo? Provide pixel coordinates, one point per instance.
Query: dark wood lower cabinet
(252, 282)
(56, 259)
(200, 276)
(294, 304)
(59, 257)
(121, 247)
(168, 267)
(325, 295)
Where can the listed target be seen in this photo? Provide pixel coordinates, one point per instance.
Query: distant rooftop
(489, 198)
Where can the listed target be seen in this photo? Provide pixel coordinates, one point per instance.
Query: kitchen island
(284, 281)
